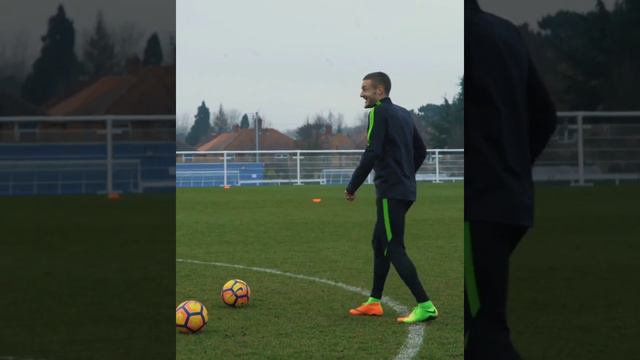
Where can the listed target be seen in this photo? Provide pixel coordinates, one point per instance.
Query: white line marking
(415, 334)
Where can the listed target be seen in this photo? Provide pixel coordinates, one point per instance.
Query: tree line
(589, 61)
(441, 125)
(58, 70)
(202, 127)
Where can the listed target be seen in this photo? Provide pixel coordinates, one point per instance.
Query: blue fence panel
(155, 162)
(212, 174)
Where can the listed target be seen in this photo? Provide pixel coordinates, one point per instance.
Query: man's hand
(348, 196)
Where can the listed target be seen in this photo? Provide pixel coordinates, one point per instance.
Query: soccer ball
(235, 293)
(191, 317)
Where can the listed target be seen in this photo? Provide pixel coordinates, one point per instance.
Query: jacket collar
(386, 100)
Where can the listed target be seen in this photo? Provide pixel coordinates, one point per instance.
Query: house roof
(360, 141)
(245, 139)
(183, 146)
(337, 142)
(150, 91)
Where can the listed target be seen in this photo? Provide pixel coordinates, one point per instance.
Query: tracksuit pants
(388, 248)
(488, 246)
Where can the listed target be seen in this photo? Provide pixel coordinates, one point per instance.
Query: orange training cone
(113, 196)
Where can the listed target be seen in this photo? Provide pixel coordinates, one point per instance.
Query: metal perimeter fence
(235, 168)
(134, 153)
(51, 155)
(592, 147)
(586, 148)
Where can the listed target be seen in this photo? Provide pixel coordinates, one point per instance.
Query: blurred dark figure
(509, 117)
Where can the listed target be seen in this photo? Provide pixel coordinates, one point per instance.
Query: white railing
(205, 178)
(57, 176)
(298, 166)
(103, 131)
(591, 146)
(587, 147)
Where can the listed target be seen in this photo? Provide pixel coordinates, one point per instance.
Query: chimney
(236, 128)
(327, 130)
(257, 122)
(133, 65)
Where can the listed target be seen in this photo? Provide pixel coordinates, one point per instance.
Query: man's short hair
(380, 79)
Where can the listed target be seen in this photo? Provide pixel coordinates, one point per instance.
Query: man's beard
(368, 105)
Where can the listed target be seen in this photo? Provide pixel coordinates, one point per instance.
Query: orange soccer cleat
(373, 308)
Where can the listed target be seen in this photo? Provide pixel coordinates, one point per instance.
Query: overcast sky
(289, 59)
(26, 20)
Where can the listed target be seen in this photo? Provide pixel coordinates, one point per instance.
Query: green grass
(281, 228)
(83, 277)
(574, 276)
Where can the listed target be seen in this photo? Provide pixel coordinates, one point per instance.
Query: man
(395, 151)
(509, 118)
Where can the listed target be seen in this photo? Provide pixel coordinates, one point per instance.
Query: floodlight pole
(298, 166)
(224, 156)
(580, 151)
(257, 138)
(109, 156)
(437, 167)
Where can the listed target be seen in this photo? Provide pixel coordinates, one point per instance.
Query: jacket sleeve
(376, 132)
(542, 113)
(419, 149)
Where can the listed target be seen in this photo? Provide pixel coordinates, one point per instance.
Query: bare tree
(13, 56)
(183, 125)
(266, 123)
(128, 39)
(360, 126)
(339, 124)
(233, 116)
(362, 121)
(98, 50)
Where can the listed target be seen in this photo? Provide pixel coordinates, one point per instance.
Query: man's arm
(419, 149)
(542, 113)
(375, 140)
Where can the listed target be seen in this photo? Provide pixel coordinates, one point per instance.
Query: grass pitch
(83, 277)
(281, 228)
(574, 276)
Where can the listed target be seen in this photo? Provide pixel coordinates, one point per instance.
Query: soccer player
(509, 118)
(395, 151)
